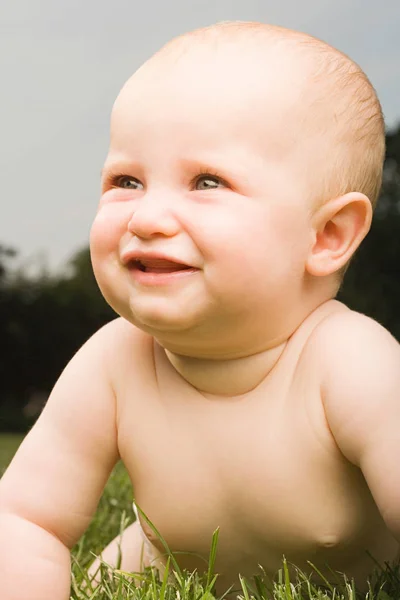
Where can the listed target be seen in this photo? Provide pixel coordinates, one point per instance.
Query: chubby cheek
(286, 241)
(106, 232)
(233, 246)
(262, 248)
(105, 238)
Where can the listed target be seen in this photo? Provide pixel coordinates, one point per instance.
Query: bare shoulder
(119, 335)
(359, 369)
(345, 334)
(128, 350)
(120, 330)
(348, 345)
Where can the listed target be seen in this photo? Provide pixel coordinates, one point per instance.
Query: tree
(44, 320)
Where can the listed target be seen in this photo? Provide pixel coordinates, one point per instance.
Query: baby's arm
(361, 396)
(50, 491)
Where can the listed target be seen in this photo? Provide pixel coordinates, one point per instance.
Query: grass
(115, 512)
(9, 443)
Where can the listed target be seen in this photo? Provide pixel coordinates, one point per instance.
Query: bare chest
(263, 468)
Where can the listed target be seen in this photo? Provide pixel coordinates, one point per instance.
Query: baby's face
(202, 167)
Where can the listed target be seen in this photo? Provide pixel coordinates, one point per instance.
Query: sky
(63, 62)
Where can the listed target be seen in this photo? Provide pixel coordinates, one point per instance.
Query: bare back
(263, 467)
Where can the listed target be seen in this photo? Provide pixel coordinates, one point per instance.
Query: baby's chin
(158, 322)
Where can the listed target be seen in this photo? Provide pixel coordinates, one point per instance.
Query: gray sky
(63, 62)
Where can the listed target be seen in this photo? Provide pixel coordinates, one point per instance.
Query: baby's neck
(239, 374)
(231, 377)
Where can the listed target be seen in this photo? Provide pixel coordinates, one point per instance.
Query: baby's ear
(339, 227)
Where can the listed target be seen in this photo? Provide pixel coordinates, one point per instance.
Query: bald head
(342, 115)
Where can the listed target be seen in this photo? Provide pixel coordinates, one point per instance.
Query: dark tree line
(45, 319)
(43, 322)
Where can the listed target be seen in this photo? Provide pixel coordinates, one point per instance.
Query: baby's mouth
(158, 266)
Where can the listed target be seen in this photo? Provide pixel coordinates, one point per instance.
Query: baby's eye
(206, 177)
(126, 182)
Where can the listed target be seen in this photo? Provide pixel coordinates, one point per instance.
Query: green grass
(115, 512)
(9, 443)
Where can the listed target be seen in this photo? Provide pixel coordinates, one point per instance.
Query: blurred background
(62, 64)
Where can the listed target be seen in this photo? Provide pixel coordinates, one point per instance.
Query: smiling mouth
(158, 266)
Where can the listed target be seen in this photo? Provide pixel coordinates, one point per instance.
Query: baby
(244, 165)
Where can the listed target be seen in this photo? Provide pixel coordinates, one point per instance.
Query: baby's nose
(152, 217)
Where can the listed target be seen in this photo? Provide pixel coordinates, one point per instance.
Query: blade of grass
(213, 555)
(244, 587)
(165, 579)
(160, 537)
(288, 587)
(328, 585)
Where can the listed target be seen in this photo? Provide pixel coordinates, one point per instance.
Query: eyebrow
(120, 165)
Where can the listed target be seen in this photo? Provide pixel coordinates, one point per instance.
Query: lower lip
(152, 279)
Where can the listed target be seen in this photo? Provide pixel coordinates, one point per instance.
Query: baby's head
(290, 135)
